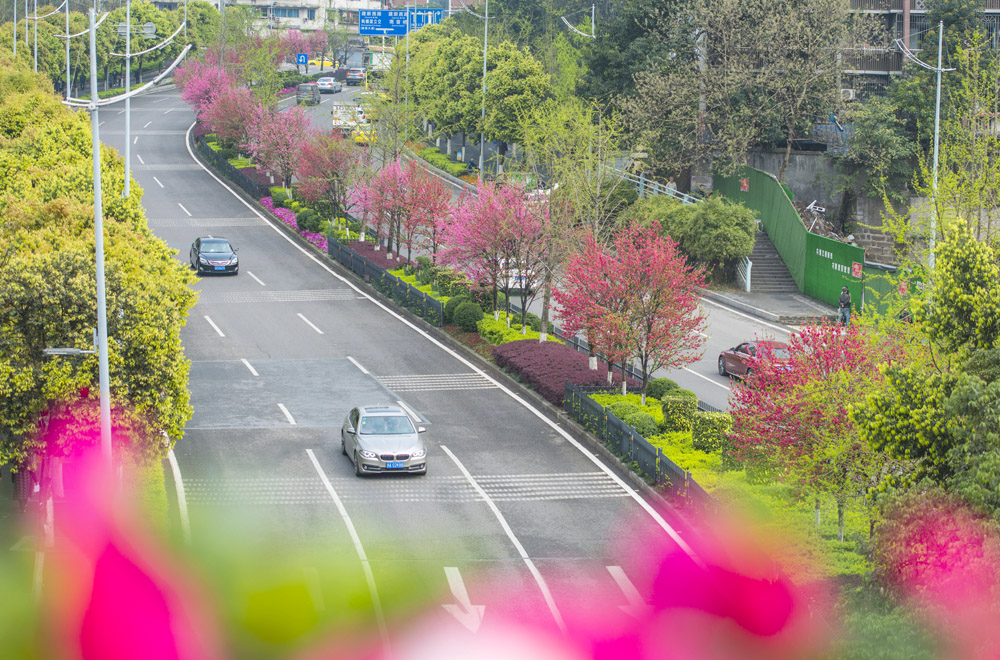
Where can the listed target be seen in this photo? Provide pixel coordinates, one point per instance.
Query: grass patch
(239, 161)
(805, 551)
(425, 288)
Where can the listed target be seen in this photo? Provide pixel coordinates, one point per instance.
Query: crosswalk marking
(429, 382)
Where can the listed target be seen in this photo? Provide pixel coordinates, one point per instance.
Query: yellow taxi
(363, 134)
(320, 63)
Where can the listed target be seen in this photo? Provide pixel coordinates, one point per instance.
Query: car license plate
(220, 268)
(394, 465)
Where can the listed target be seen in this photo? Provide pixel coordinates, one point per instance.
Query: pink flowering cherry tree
(327, 168)
(200, 84)
(231, 113)
(638, 301)
(275, 139)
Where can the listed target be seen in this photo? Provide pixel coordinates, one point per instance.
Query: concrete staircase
(769, 274)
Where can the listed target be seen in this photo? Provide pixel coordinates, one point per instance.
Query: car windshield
(326, 80)
(780, 353)
(305, 88)
(386, 425)
(215, 246)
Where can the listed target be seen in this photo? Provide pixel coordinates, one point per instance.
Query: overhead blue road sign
(392, 22)
(301, 58)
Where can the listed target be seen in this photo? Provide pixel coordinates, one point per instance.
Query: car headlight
(418, 453)
(367, 454)
(234, 260)
(202, 259)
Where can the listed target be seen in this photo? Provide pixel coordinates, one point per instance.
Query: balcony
(874, 60)
(879, 5)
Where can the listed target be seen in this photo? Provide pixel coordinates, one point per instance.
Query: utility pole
(15, 28)
(482, 131)
(104, 382)
(937, 130)
(128, 99)
(36, 35)
(67, 51)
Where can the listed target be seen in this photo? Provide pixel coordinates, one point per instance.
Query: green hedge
(709, 430)
(451, 306)
(441, 161)
(496, 332)
(468, 315)
(678, 410)
(623, 409)
(644, 424)
(657, 387)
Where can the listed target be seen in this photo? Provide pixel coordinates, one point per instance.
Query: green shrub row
(496, 332)
(679, 407)
(441, 161)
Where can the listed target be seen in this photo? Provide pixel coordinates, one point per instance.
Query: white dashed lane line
(157, 182)
(184, 209)
(310, 324)
(409, 411)
(288, 415)
(147, 124)
(249, 366)
(357, 364)
(140, 159)
(212, 323)
(256, 278)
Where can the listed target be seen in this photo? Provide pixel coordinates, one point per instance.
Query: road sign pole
(128, 100)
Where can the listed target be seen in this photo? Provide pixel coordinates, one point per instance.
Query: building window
(285, 12)
(991, 25)
(919, 28)
(311, 14)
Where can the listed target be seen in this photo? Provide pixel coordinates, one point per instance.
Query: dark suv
(307, 93)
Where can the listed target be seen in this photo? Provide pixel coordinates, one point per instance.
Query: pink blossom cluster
(289, 217)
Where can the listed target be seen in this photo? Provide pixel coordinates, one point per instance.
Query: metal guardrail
(646, 187)
(743, 271)
(634, 450)
(405, 294)
(239, 178)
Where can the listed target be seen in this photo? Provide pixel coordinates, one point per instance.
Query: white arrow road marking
(469, 615)
(636, 608)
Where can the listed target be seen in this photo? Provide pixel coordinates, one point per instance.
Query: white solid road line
(309, 323)
(747, 316)
(157, 182)
(182, 505)
(288, 415)
(212, 323)
(542, 586)
(704, 377)
(357, 364)
(413, 415)
(256, 278)
(249, 366)
(147, 124)
(369, 576)
(140, 159)
(184, 209)
(638, 499)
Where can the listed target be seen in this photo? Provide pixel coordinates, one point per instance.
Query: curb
(558, 415)
(723, 299)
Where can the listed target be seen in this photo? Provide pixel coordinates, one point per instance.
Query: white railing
(743, 269)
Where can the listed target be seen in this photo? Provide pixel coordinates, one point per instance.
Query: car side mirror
(420, 429)
(350, 429)
(236, 249)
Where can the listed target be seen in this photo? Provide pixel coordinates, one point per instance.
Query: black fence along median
(634, 450)
(251, 187)
(418, 302)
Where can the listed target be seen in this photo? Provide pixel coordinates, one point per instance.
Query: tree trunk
(817, 512)
(624, 378)
(546, 294)
(840, 519)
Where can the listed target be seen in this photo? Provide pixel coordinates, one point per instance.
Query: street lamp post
(937, 122)
(482, 129)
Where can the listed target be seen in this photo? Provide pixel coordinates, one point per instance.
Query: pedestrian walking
(844, 310)
(671, 184)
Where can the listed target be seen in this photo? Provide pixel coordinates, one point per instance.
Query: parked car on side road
(381, 439)
(329, 86)
(214, 254)
(738, 361)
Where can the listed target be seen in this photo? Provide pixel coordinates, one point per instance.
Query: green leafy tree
(515, 82)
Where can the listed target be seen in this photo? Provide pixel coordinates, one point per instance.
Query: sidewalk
(786, 308)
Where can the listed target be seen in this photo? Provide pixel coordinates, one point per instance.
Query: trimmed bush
(278, 196)
(309, 220)
(643, 424)
(441, 161)
(657, 387)
(497, 332)
(678, 411)
(451, 306)
(623, 409)
(709, 430)
(546, 366)
(228, 153)
(468, 315)
(449, 282)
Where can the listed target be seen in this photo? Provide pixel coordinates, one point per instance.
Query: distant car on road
(307, 93)
(355, 76)
(381, 439)
(738, 361)
(318, 62)
(214, 254)
(329, 86)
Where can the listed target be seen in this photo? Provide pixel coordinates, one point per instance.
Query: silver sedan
(329, 85)
(383, 439)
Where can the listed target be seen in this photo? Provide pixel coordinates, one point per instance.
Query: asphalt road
(513, 504)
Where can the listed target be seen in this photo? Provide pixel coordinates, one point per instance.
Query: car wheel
(358, 470)
(722, 367)
(343, 445)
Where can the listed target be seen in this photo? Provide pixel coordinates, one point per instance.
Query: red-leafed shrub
(257, 175)
(547, 366)
(367, 250)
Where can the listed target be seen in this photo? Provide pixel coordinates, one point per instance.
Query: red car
(737, 361)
